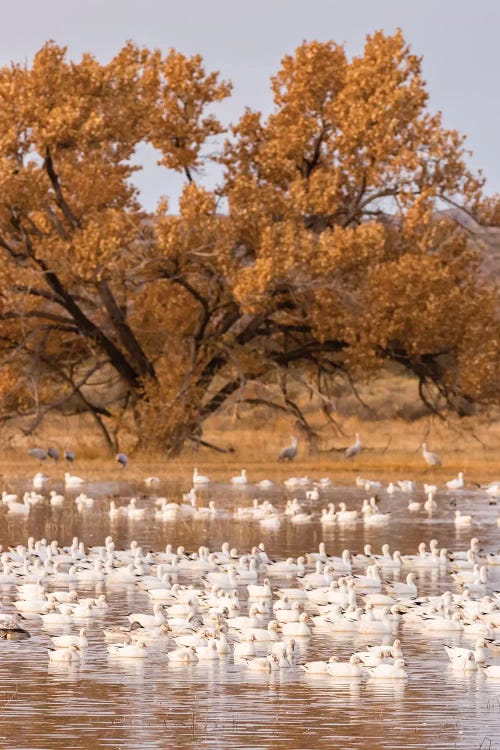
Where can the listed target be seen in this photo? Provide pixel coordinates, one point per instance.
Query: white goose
(70, 480)
(240, 478)
(389, 671)
(128, 650)
(462, 521)
(72, 653)
(401, 589)
(199, 478)
(64, 641)
(317, 667)
(346, 669)
(183, 655)
(456, 484)
(479, 652)
(146, 620)
(299, 629)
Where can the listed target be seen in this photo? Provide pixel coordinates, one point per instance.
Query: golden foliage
(325, 252)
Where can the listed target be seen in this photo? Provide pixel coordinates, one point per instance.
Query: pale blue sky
(246, 41)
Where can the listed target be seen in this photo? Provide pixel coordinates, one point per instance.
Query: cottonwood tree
(326, 252)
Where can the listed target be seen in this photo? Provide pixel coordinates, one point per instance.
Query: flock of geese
(251, 608)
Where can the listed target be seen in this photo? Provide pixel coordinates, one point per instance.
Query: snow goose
(389, 671)
(346, 516)
(223, 647)
(462, 521)
(477, 627)
(317, 667)
(20, 509)
(376, 518)
(245, 648)
(199, 478)
(478, 575)
(319, 555)
(371, 625)
(413, 559)
(133, 512)
(262, 663)
(137, 650)
(40, 480)
(8, 497)
(289, 615)
(240, 479)
(261, 635)
(479, 652)
(299, 629)
(289, 646)
(370, 580)
(72, 653)
(301, 518)
(328, 516)
(312, 495)
(64, 641)
(400, 589)
(322, 575)
(292, 593)
(150, 635)
(342, 564)
(265, 484)
(70, 480)
(346, 669)
(183, 655)
(208, 512)
(260, 592)
(254, 619)
(457, 483)
(391, 563)
(287, 567)
(272, 521)
(146, 620)
(440, 625)
(208, 652)
(55, 499)
(430, 504)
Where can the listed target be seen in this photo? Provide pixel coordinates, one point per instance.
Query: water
(151, 703)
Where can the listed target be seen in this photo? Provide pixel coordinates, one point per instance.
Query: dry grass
(391, 450)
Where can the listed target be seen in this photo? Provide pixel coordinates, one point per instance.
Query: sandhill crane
(38, 453)
(289, 453)
(69, 456)
(431, 459)
(354, 449)
(53, 453)
(122, 459)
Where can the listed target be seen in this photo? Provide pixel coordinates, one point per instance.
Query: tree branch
(60, 200)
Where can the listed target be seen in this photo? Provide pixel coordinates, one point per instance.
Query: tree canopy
(325, 253)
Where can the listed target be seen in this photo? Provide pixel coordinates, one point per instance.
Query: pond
(153, 703)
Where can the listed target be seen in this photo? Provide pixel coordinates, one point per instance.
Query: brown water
(113, 703)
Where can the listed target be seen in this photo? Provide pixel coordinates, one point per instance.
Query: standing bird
(122, 459)
(38, 453)
(289, 453)
(354, 449)
(431, 459)
(53, 453)
(69, 456)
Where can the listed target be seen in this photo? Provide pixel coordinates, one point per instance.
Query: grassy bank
(391, 450)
